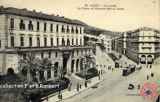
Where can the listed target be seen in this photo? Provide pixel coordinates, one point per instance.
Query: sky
(131, 15)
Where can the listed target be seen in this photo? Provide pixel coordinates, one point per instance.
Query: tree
(29, 66)
(45, 63)
(89, 60)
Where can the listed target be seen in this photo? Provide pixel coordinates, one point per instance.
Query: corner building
(57, 38)
(143, 45)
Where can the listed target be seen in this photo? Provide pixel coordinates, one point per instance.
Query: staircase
(74, 79)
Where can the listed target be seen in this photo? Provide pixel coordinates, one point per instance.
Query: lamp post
(60, 77)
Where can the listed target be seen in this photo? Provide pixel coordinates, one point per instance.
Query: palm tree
(30, 65)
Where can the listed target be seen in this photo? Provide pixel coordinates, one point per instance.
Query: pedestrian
(70, 85)
(80, 86)
(147, 77)
(150, 66)
(85, 83)
(152, 74)
(61, 96)
(108, 67)
(77, 86)
(99, 77)
(47, 98)
(101, 72)
(138, 86)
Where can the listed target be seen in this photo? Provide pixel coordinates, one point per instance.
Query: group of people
(78, 87)
(152, 75)
(149, 65)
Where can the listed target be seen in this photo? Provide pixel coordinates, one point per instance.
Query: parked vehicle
(130, 86)
(128, 70)
(138, 67)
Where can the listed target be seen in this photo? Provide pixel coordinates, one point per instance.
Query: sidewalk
(124, 60)
(68, 94)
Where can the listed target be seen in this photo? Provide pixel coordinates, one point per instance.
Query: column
(37, 76)
(69, 64)
(52, 73)
(74, 66)
(79, 65)
(60, 66)
(45, 74)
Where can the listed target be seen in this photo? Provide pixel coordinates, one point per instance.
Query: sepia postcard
(79, 50)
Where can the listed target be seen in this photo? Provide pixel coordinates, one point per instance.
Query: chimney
(1, 7)
(34, 10)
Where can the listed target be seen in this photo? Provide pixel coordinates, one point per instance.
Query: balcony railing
(47, 48)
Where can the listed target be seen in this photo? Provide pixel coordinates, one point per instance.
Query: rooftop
(38, 15)
(144, 28)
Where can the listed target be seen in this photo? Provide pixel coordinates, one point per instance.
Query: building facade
(141, 45)
(57, 38)
(107, 41)
(117, 43)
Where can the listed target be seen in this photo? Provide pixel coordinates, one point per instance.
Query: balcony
(48, 48)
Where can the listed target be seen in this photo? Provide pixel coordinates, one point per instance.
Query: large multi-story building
(117, 44)
(106, 40)
(57, 38)
(141, 45)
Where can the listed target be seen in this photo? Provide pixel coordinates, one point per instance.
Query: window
(45, 26)
(68, 29)
(63, 30)
(12, 23)
(21, 25)
(21, 41)
(80, 31)
(57, 41)
(56, 54)
(30, 41)
(45, 41)
(72, 41)
(76, 41)
(51, 41)
(49, 54)
(76, 30)
(30, 25)
(12, 41)
(63, 42)
(57, 28)
(51, 27)
(37, 26)
(68, 42)
(56, 69)
(72, 30)
(48, 74)
(38, 41)
(42, 55)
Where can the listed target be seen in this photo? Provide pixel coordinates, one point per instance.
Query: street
(114, 87)
(109, 89)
